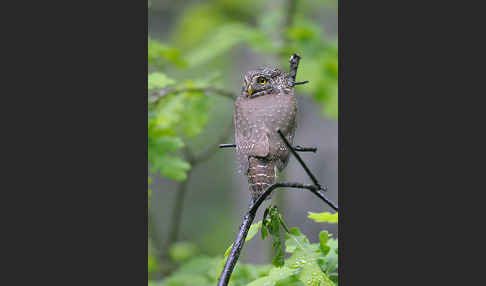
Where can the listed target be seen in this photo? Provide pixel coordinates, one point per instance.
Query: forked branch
(250, 216)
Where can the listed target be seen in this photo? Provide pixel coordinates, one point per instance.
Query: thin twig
(297, 148)
(250, 216)
(313, 178)
(301, 82)
(227, 145)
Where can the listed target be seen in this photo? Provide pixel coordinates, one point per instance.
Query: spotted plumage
(266, 103)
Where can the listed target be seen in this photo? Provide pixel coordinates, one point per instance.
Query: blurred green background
(196, 196)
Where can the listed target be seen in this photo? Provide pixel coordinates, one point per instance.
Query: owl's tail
(261, 174)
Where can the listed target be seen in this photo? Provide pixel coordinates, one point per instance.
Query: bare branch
(297, 148)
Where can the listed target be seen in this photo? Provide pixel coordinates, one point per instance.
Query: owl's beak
(250, 91)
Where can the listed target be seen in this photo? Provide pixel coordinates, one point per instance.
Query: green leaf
(271, 224)
(275, 275)
(294, 240)
(159, 80)
(264, 232)
(251, 233)
(274, 223)
(312, 275)
(253, 230)
(196, 113)
(332, 257)
(278, 259)
(173, 167)
(324, 217)
(169, 144)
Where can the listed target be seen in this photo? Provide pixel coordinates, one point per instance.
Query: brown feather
(261, 174)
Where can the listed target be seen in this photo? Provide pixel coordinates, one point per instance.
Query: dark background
(84, 221)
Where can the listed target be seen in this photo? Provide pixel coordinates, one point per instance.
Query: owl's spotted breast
(256, 124)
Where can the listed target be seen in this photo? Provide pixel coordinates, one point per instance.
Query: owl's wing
(261, 148)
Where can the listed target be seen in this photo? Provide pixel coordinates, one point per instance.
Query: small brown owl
(266, 104)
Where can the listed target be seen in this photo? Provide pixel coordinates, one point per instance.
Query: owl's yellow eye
(262, 80)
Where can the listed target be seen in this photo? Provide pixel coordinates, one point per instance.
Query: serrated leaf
(294, 240)
(324, 217)
(312, 275)
(275, 275)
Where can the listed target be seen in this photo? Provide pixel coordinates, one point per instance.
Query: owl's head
(265, 80)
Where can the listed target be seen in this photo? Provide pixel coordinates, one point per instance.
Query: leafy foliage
(309, 264)
(161, 55)
(304, 264)
(177, 116)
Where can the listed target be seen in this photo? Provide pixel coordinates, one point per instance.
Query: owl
(266, 104)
